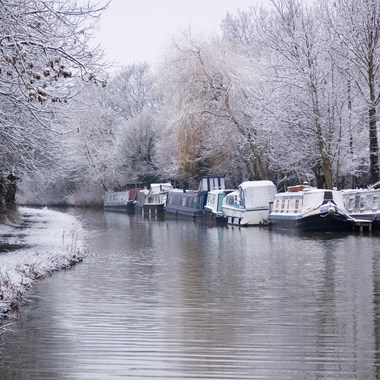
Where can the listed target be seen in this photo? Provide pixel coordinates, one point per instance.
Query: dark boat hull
(195, 213)
(128, 208)
(319, 223)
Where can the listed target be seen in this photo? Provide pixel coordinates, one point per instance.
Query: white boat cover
(256, 194)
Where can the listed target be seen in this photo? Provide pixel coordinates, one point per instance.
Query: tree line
(287, 92)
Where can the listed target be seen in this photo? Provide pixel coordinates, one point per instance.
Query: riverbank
(32, 246)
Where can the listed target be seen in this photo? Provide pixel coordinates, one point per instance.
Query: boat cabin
(192, 202)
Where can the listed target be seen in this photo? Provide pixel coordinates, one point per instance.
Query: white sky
(134, 31)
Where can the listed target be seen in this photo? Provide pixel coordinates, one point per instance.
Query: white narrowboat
(153, 201)
(213, 208)
(307, 208)
(363, 204)
(249, 205)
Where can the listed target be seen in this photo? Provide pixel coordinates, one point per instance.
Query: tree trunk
(261, 170)
(373, 146)
(10, 195)
(3, 192)
(373, 143)
(323, 152)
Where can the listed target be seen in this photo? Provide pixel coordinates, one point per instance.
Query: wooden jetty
(363, 225)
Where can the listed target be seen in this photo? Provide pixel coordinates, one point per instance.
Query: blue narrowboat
(192, 202)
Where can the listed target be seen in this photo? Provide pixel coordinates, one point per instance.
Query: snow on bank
(40, 242)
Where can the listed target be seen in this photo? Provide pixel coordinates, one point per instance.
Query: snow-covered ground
(40, 242)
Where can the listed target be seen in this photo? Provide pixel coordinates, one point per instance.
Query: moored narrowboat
(120, 200)
(213, 208)
(306, 208)
(249, 205)
(152, 202)
(192, 202)
(363, 204)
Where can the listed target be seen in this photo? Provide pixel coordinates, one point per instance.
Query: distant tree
(133, 98)
(205, 85)
(137, 147)
(131, 91)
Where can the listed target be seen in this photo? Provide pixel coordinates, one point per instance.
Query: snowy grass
(44, 241)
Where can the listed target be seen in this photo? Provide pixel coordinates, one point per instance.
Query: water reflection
(176, 299)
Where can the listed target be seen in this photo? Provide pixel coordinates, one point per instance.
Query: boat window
(328, 196)
(296, 206)
(351, 203)
(375, 202)
(172, 199)
(220, 202)
(283, 205)
(363, 202)
(210, 199)
(357, 202)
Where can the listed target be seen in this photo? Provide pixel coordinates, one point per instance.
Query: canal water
(176, 299)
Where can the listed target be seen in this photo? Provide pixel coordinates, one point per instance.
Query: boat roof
(217, 191)
(233, 193)
(354, 191)
(157, 187)
(297, 188)
(261, 183)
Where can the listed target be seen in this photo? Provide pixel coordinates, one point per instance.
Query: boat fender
(331, 211)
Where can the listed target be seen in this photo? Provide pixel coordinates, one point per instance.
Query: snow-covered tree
(301, 98)
(355, 25)
(133, 98)
(212, 117)
(44, 46)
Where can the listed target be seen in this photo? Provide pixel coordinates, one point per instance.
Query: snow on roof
(255, 194)
(158, 187)
(263, 183)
